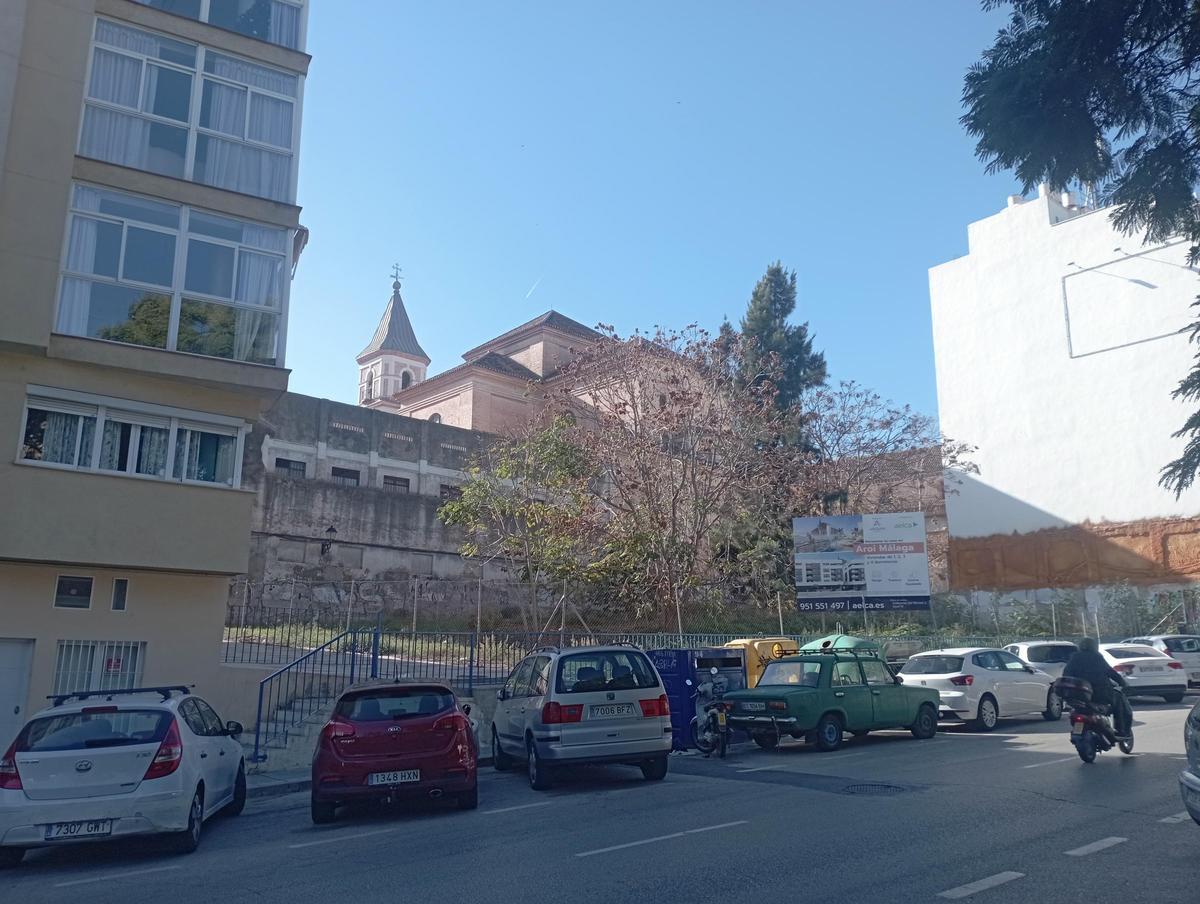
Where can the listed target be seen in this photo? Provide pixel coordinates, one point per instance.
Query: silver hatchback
(582, 706)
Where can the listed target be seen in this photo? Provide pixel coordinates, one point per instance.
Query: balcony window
(396, 484)
(287, 467)
(124, 280)
(186, 111)
(347, 477)
(92, 433)
(275, 21)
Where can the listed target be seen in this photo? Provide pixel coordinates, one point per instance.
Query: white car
(114, 764)
(1184, 647)
(1147, 672)
(1051, 656)
(981, 684)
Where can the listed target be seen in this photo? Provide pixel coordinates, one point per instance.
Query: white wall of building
(1057, 346)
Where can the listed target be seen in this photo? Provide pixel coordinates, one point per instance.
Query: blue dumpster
(678, 667)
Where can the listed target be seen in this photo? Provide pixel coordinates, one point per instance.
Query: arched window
(405, 380)
(369, 386)
(435, 418)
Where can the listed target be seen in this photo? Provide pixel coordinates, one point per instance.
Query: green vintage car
(820, 696)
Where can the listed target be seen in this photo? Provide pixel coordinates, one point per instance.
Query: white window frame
(91, 592)
(192, 127)
(98, 664)
(301, 37)
(132, 412)
(177, 291)
(112, 597)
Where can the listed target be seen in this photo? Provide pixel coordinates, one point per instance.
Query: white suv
(111, 764)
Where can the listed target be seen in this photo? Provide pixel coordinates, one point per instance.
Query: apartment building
(148, 235)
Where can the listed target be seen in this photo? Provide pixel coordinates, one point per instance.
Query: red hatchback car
(394, 741)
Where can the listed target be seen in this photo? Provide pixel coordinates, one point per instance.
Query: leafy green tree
(148, 323)
(770, 339)
(1107, 93)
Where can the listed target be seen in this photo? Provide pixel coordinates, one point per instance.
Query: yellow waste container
(759, 651)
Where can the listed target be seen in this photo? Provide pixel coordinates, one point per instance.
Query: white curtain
(285, 24)
(116, 78)
(271, 120)
(76, 293)
(260, 279)
(58, 437)
(266, 237)
(110, 446)
(226, 445)
(249, 74)
(152, 452)
(224, 108)
(115, 137)
(242, 168)
(115, 35)
(251, 327)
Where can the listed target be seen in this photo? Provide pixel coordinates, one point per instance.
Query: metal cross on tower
(396, 272)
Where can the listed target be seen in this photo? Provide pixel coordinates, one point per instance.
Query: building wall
(1057, 355)
(12, 30)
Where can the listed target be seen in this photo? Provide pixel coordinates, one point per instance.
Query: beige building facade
(148, 234)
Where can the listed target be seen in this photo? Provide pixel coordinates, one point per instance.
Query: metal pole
(1096, 619)
(1054, 617)
(349, 604)
(678, 616)
(779, 606)
(479, 602)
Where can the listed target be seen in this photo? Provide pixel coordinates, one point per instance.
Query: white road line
(305, 844)
(765, 768)
(540, 803)
(1065, 759)
(1177, 818)
(111, 876)
(965, 891)
(1102, 845)
(629, 844)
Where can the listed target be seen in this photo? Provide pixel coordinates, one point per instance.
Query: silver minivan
(582, 705)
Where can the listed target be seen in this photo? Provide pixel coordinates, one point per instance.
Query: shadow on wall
(1044, 551)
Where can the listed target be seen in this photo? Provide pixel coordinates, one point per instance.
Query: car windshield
(932, 665)
(102, 727)
(1134, 652)
(1182, 644)
(604, 670)
(388, 704)
(804, 674)
(1050, 653)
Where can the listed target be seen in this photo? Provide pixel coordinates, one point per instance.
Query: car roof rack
(165, 690)
(853, 651)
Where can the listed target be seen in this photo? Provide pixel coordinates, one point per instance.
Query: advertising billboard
(856, 562)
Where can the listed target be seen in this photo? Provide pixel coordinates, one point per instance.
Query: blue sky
(640, 164)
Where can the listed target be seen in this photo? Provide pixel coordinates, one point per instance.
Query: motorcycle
(1092, 730)
(710, 731)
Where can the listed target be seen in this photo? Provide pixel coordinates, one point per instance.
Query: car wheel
(925, 726)
(323, 811)
(767, 740)
(1173, 698)
(655, 770)
(11, 856)
(501, 761)
(468, 800)
(988, 714)
(1054, 707)
(539, 776)
(829, 732)
(189, 839)
(238, 804)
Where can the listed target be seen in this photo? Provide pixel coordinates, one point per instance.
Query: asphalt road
(1007, 817)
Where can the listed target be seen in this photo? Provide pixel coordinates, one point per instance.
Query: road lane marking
(111, 876)
(540, 803)
(765, 768)
(1102, 845)
(1065, 759)
(965, 891)
(305, 844)
(1177, 818)
(657, 838)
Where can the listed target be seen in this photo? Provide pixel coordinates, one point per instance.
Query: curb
(278, 789)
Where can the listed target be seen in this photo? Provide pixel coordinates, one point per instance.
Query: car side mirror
(896, 679)
(1030, 669)
(500, 695)
(466, 709)
(234, 729)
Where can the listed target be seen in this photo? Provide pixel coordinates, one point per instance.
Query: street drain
(875, 789)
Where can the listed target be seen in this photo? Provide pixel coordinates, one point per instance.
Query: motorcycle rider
(1087, 663)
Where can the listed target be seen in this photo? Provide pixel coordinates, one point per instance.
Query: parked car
(104, 765)
(1183, 647)
(821, 695)
(1050, 656)
(395, 740)
(980, 685)
(1189, 779)
(582, 705)
(1147, 672)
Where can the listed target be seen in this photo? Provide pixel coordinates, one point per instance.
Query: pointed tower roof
(395, 332)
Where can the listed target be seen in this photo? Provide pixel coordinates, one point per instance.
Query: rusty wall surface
(1152, 551)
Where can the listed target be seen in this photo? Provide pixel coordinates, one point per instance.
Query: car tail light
(1173, 664)
(452, 722)
(777, 704)
(962, 680)
(558, 713)
(336, 729)
(10, 778)
(656, 708)
(1125, 668)
(170, 754)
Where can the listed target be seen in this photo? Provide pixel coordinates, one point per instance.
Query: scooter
(709, 729)
(1091, 726)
